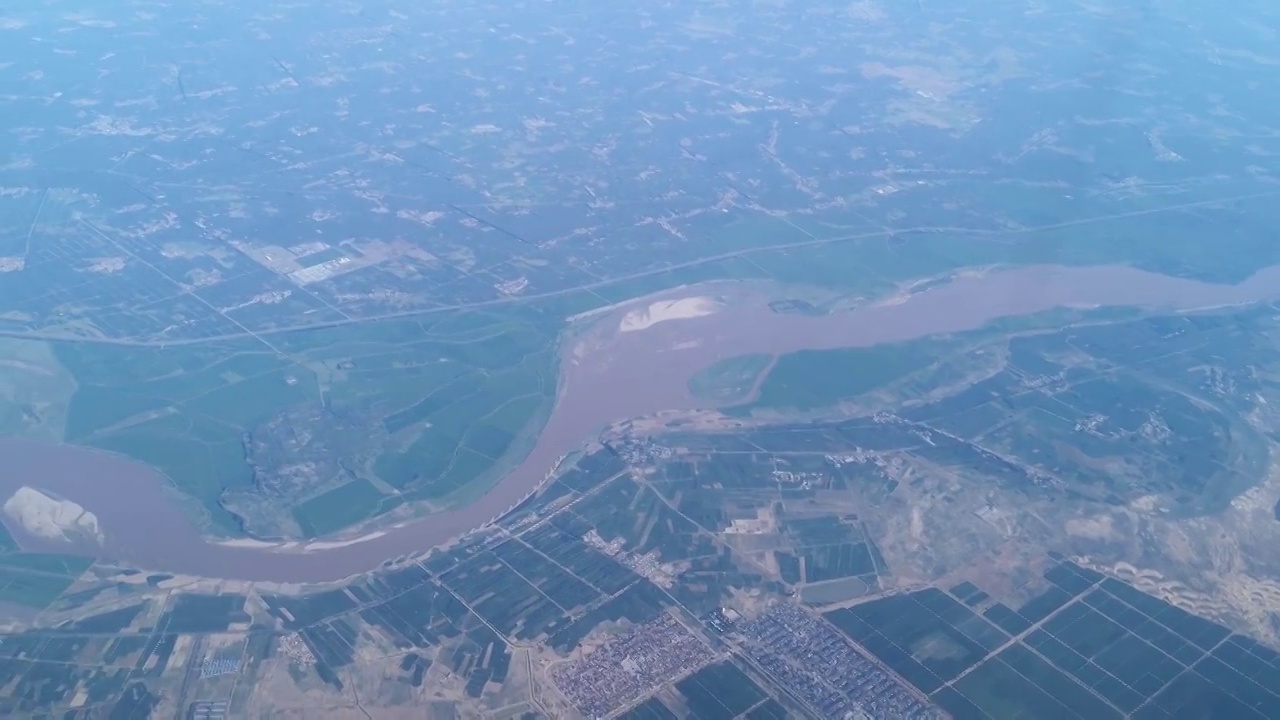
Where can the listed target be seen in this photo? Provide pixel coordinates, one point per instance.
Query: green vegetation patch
(1017, 683)
(816, 379)
(48, 563)
(835, 591)
(7, 543)
(651, 709)
(1112, 408)
(506, 600)
(35, 390)
(595, 568)
(202, 457)
(31, 589)
(721, 691)
(821, 530)
(1182, 251)
(811, 379)
(198, 613)
(35, 580)
(1105, 649)
(643, 521)
(927, 637)
(730, 379)
(338, 508)
(457, 433)
(788, 566)
(830, 562)
(119, 386)
(291, 435)
(770, 709)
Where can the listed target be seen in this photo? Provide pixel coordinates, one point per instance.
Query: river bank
(612, 369)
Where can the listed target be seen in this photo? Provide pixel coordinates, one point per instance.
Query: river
(606, 376)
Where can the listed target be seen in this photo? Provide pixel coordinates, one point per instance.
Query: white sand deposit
(332, 544)
(665, 310)
(247, 543)
(297, 545)
(46, 516)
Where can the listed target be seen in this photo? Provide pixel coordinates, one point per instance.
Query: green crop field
(730, 379)
(338, 508)
(35, 580)
(427, 407)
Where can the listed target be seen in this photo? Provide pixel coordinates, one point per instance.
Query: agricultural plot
(304, 388)
(561, 587)
(720, 691)
(195, 613)
(1050, 417)
(591, 566)
(420, 617)
(1086, 647)
(549, 494)
(339, 424)
(1048, 409)
(332, 643)
(98, 658)
(592, 469)
(666, 532)
(299, 612)
(339, 508)
(411, 611)
(642, 519)
(1019, 682)
(37, 684)
(728, 380)
(113, 621)
(7, 543)
(709, 580)
(716, 465)
(812, 379)
(212, 638)
(482, 657)
(651, 709)
(742, 497)
(35, 390)
(1165, 391)
(830, 562)
(927, 637)
(836, 591)
(506, 599)
(35, 580)
(641, 602)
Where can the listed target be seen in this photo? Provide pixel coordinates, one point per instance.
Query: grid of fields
(1086, 647)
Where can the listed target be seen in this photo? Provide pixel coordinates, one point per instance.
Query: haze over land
(444, 358)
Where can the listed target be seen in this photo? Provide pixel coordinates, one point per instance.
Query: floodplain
(600, 364)
(668, 544)
(331, 306)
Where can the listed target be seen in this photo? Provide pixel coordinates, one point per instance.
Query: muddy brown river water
(607, 376)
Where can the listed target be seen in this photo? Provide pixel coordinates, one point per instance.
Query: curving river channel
(607, 376)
